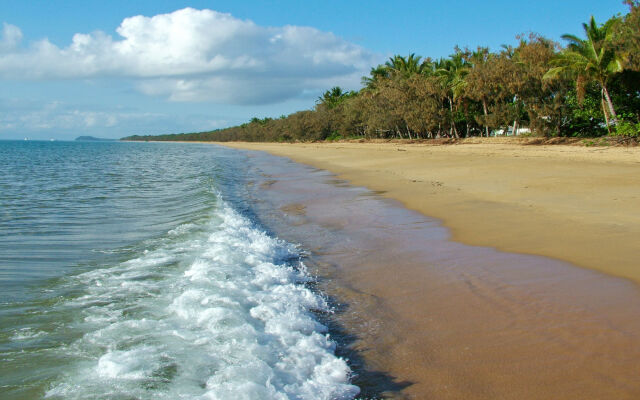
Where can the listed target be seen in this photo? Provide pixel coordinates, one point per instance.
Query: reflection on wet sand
(429, 318)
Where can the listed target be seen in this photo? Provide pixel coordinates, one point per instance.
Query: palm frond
(573, 39)
(553, 73)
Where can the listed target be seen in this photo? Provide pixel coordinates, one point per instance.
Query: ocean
(141, 271)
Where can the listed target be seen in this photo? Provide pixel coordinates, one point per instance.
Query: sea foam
(221, 312)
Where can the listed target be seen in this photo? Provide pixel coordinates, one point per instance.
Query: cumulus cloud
(195, 55)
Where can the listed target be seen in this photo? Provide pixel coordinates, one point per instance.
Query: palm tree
(406, 66)
(452, 72)
(589, 60)
(377, 73)
(396, 66)
(334, 96)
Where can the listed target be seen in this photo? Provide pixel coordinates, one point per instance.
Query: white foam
(223, 316)
(26, 334)
(181, 229)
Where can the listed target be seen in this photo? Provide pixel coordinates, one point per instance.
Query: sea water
(138, 271)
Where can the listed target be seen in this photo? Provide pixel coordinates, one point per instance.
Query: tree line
(588, 87)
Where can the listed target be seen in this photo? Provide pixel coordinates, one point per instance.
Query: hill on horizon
(93, 139)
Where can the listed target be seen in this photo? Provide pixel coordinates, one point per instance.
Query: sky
(116, 68)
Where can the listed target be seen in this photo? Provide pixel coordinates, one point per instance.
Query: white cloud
(196, 55)
(11, 37)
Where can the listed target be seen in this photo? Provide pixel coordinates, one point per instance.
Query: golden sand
(578, 204)
(430, 318)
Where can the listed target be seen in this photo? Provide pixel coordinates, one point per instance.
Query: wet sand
(429, 318)
(576, 204)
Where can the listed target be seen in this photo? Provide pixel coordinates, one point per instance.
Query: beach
(446, 307)
(305, 201)
(156, 270)
(577, 204)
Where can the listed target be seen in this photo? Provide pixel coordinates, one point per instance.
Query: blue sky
(176, 70)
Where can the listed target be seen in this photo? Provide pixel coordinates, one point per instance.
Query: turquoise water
(136, 270)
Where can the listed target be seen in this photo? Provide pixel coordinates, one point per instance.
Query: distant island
(93, 139)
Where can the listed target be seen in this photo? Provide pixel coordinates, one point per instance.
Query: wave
(213, 310)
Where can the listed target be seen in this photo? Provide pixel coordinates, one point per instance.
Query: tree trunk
(453, 124)
(606, 116)
(486, 113)
(605, 92)
(408, 131)
(515, 127)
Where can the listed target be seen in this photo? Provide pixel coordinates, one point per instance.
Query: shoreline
(422, 316)
(576, 204)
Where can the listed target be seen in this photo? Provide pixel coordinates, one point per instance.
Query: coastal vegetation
(587, 86)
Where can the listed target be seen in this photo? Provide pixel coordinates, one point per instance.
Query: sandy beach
(572, 203)
(421, 316)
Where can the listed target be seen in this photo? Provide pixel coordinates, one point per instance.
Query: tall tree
(627, 36)
(334, 97)
(406, 66)
(544, 101)
(477, 85)
(452, 73)
(375, 75)
(589, 60)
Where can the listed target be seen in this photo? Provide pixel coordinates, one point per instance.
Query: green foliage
(591, 60)
(626, 36)
(285, 137)
(334, 136)
(334, 97)
(627, 128)
(263, 121)
(584, 118)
